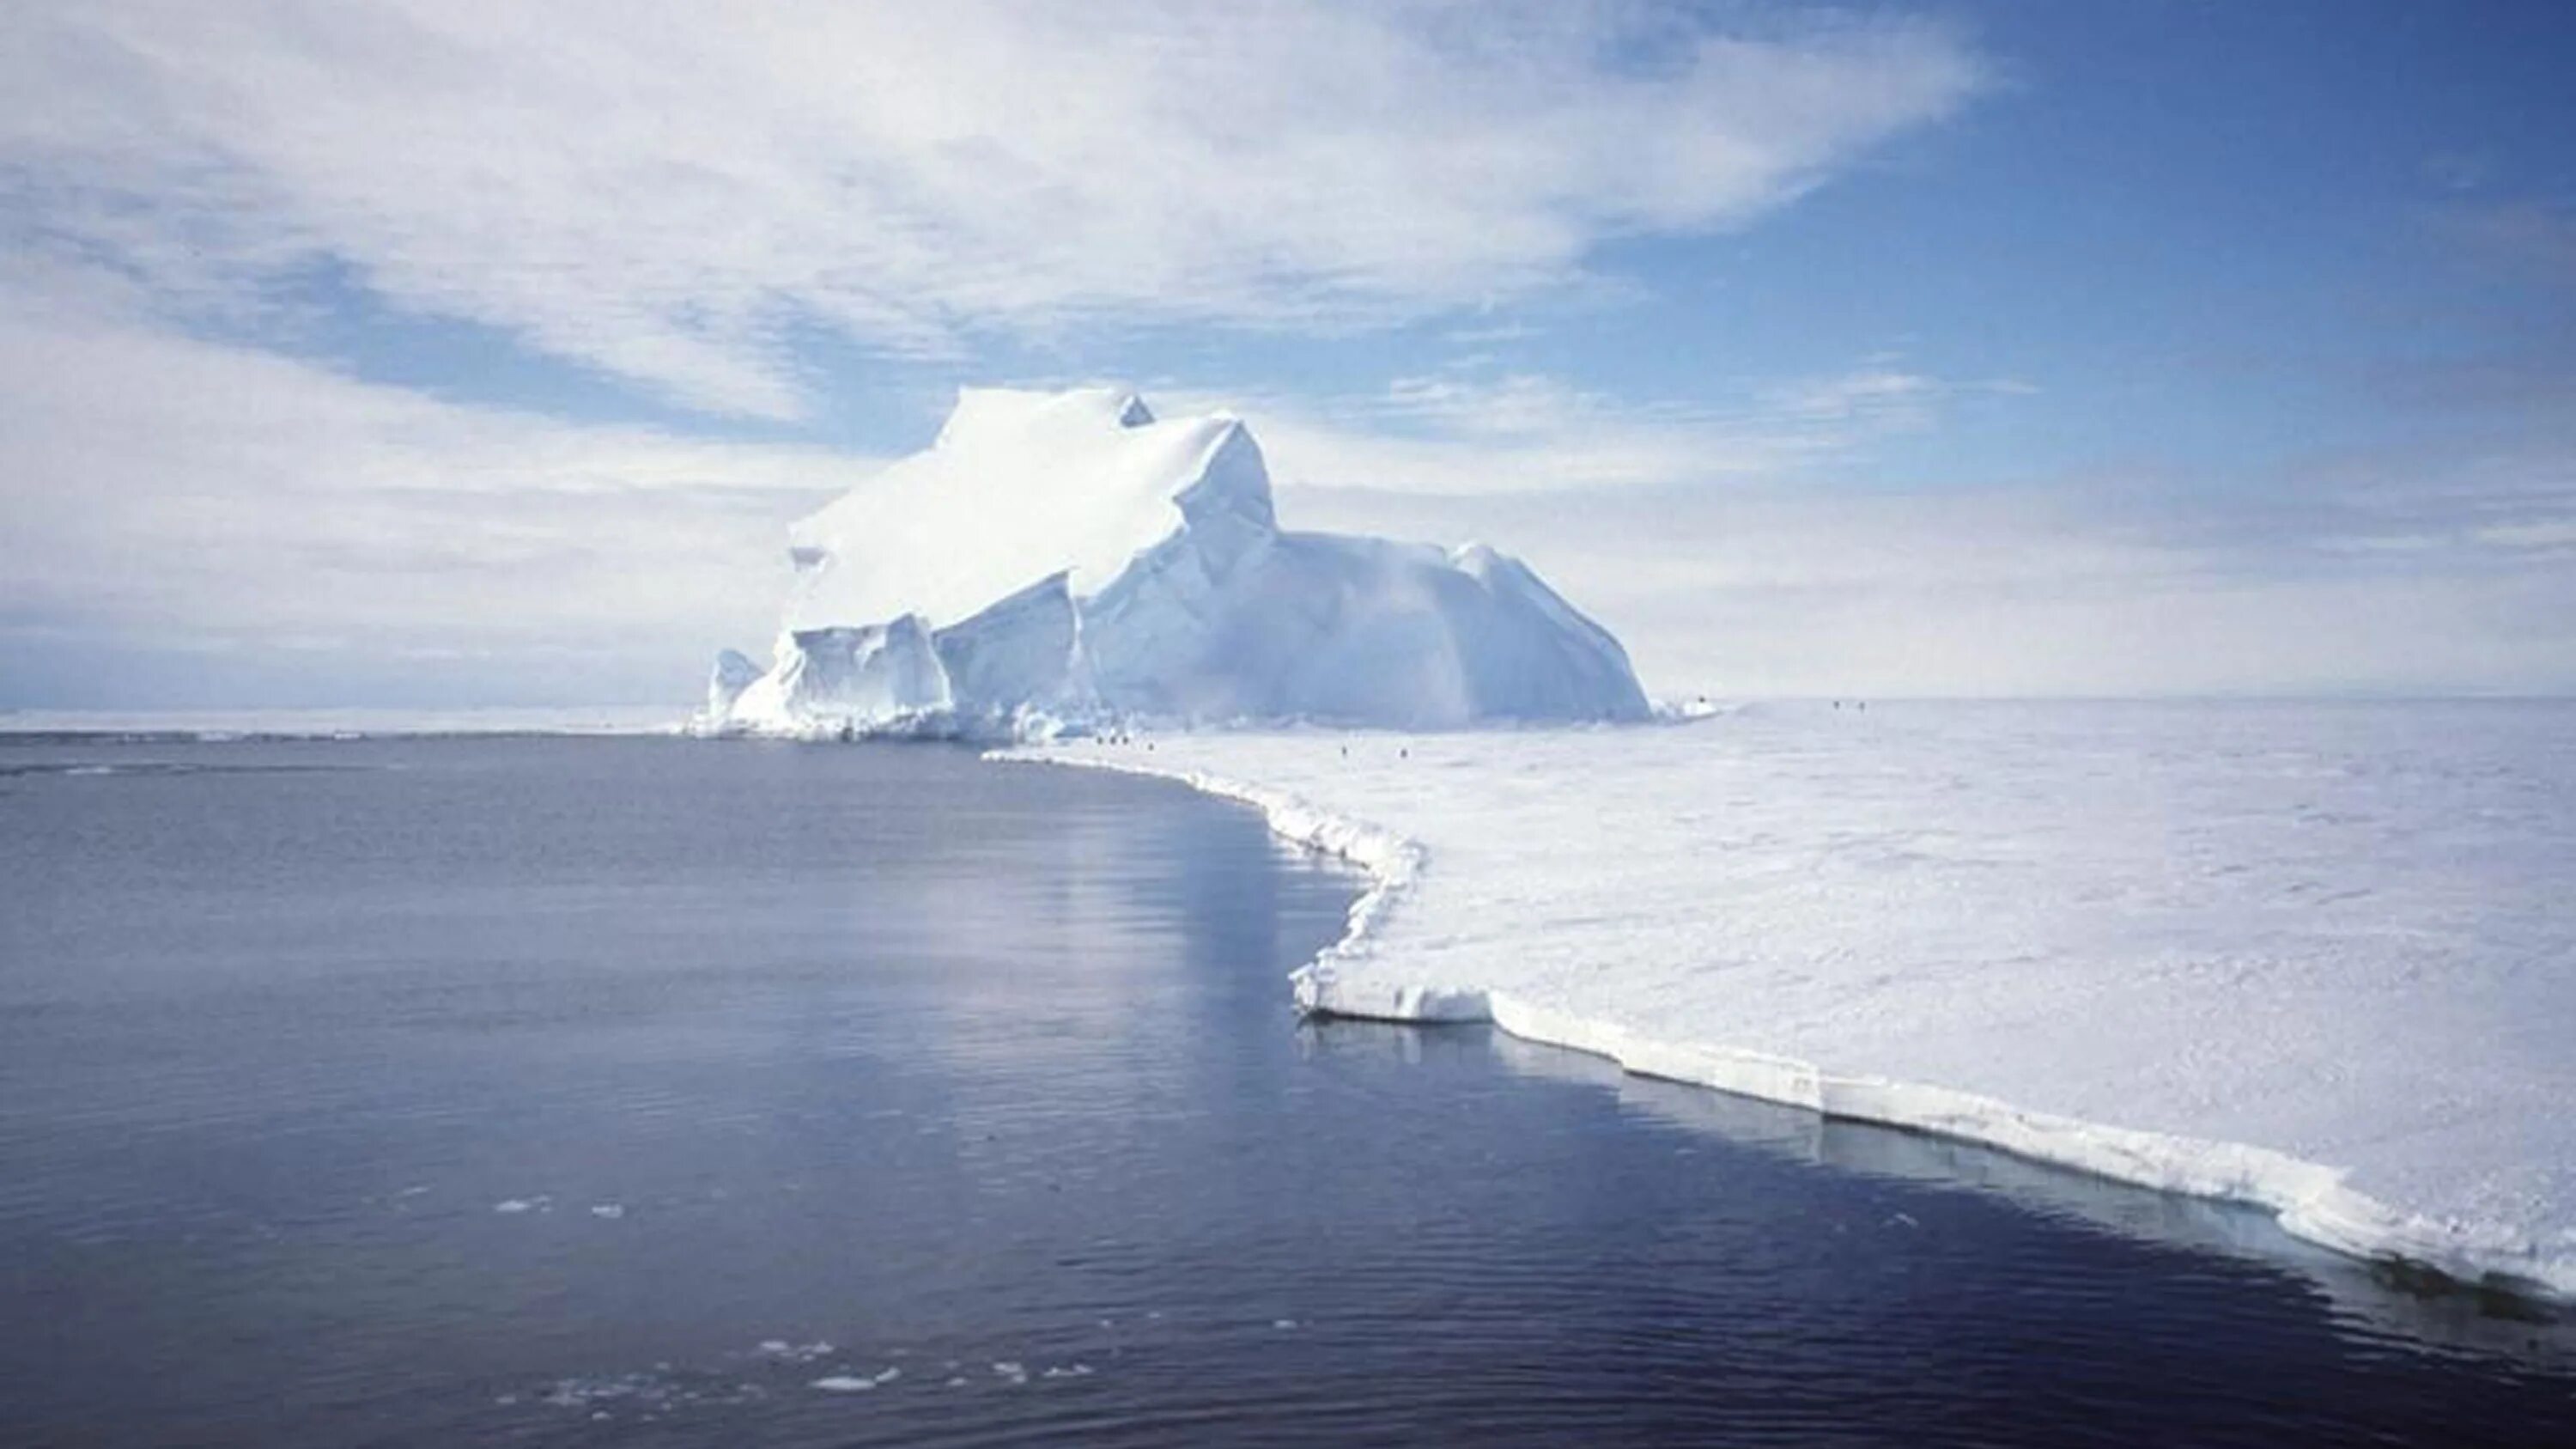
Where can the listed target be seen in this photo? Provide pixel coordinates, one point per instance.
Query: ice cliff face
(1061, 558)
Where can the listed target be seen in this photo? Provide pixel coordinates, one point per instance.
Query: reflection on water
(538, 1091)
(2370, 1297)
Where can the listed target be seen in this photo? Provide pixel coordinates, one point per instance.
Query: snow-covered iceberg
(1059, 557)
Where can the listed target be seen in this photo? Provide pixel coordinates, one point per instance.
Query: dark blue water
(555, 1091)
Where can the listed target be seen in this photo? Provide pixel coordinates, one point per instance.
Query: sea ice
(2312, 957)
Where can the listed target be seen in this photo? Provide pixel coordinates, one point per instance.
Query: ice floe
(2313, 958)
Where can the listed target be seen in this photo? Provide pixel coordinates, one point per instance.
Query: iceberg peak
(1019, 485)
(993, 409)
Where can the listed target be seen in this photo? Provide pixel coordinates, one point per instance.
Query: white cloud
(166, 493)
(1873, 392)
(1739, 573)
(663, 191)
(2547, 533)
(1465, 434)
(178, 495)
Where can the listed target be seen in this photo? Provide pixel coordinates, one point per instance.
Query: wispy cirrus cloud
(168, 493)
(2055, 587)
(1470, 432)
(667, 192)
(176, 495)
(1725, 542)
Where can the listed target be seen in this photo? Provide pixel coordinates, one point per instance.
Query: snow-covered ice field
(2320, 957)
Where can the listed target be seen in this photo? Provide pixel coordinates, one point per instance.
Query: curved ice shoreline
(2311, 1200)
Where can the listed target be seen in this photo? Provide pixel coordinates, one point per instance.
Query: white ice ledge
(1407, 959)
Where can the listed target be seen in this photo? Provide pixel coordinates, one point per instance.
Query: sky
(439, 353)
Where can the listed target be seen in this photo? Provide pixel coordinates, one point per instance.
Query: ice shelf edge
(2310, 1200)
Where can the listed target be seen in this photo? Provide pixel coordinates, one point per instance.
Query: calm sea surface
(414, 1092)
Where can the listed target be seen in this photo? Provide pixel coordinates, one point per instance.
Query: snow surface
(1067, 559)
(1019, 486)
(2317, 958)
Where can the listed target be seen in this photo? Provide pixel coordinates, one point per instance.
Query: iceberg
(882, 671)
(1058, 559)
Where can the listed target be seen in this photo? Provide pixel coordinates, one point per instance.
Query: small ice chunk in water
(844, 1384)
(609, 1210)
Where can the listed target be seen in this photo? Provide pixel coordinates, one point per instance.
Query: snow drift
(1063, 557)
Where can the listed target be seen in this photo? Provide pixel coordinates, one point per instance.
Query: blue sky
(452, 353)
